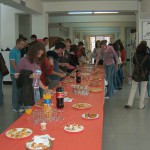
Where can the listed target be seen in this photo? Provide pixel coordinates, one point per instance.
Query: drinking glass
(28, 111)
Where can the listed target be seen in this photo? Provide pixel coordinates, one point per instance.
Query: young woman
(31, 62)
(109, 65)
(140, 56)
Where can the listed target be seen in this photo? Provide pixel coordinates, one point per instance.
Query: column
(122, 34)
(40, 25)
(81, 36)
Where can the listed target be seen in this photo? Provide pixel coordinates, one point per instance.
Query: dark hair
(68, 40)
(19, 40)
(96, 44)
(80, 43)
(45, 38)
(60, 45)
(104, 42)
(25, 39)
(74, 48)
(121, 46)
(33, 51)
(141, 48)
(33, 36)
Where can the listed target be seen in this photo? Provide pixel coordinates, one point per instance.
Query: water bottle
(36, 80)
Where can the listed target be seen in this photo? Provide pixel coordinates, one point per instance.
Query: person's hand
(16, 75)
(62, 75)
(34, 75)
(51, 61)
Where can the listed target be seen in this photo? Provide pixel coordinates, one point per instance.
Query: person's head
(26, 41)
(98, 44)
(68, 43)
(81, 45)
(145, 42)
(45, 41)
(20, 44)
(103, 44)
(59, 47)
(33, 37)
(73, 49)
(37, 52)
(142, 48)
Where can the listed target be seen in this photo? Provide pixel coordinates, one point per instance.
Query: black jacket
(146, 64)
(26, 91)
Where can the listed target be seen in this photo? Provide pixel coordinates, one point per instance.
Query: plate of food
(90, 116)
(67, 81)
(94, 84)
(95, 89)
(40, 142)
(74, 128)
(82, 105)
(17, 133)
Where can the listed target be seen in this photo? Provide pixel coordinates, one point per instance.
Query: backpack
(138, 72)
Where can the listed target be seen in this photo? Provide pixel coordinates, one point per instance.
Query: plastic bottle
(59, 97)
(78, 75)
(36, 80)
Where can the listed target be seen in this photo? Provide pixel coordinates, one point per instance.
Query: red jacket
(123, 55)
(46, 69)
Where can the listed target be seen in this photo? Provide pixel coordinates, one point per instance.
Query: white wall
(9, 26)
(25, 25)
(40, 25)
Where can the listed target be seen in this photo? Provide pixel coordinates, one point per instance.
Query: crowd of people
(53, 65)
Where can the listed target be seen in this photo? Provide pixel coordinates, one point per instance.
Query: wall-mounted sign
(146, 30)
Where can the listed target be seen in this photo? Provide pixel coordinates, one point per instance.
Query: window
(93, 40)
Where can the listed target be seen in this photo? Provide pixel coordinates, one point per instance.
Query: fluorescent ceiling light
(80, 13)
(106, 12)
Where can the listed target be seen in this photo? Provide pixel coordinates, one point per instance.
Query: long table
(88, 139)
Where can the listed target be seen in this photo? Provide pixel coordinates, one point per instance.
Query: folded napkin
(67, 99)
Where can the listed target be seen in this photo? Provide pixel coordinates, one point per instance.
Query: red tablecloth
(88, 139)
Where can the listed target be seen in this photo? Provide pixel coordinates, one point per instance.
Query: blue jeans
(1, 89)
(41, 92)
(36, 95)
(14, 93)
(109, 72)
(148, 87)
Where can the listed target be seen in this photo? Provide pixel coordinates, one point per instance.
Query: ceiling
(82, 0)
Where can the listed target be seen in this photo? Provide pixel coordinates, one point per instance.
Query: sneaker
(15, 110)
(127, 107)
(142, 107)
(21, 110)
(106, 97)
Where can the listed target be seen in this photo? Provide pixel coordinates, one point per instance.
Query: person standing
(31, 62)
(109, 65)
(64, 58)
(141, 57)
(56, 73)
(46, 43)
(14, 57)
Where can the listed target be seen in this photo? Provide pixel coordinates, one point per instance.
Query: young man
(64, 58)
(56, 73)
(46, 43)
(14, 57)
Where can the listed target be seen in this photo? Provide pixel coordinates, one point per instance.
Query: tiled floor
(123, 129)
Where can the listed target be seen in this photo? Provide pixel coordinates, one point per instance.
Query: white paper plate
(12, 133)
(90, 118)
(74, 128)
